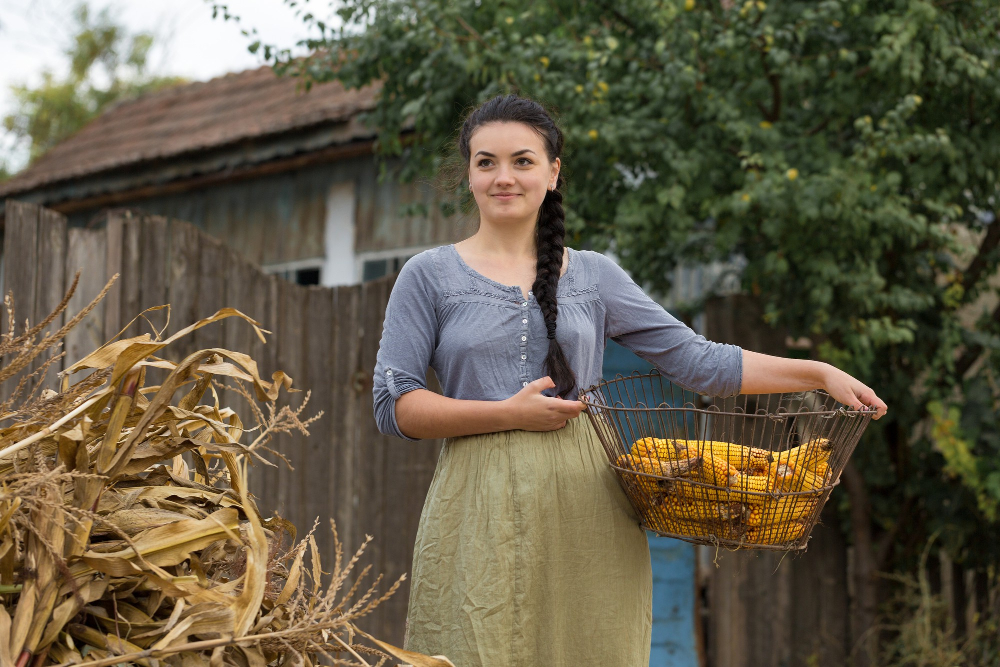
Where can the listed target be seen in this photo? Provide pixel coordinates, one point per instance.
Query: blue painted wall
(674, 643)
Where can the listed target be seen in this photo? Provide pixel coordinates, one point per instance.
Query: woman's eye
(524, 161)
(484, 162)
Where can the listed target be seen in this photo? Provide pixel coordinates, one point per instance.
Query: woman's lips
(505, 196)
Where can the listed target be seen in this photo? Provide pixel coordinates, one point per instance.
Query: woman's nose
(505, 175)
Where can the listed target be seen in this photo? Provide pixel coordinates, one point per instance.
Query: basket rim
(780, 413)
(777, 494)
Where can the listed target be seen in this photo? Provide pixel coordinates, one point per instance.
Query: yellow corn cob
(686, 509)
(744, 459)
(727, 530)
(813, 456)
(656, 448)
(716, 471)
(683, 490)
(776, 533)
(766, 483)
(787, 508)
(796, 478)
(656, 467)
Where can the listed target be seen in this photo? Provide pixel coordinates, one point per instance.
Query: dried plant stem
(48, 430)
(203, 645)
(350, 650)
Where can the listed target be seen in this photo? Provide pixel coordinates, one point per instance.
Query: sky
(189, 43)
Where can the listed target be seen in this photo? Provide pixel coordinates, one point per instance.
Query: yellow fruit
(651, 466)
(795, 477)
(726, 530)
(787, 508)
(716, 472)
(682, 489)
(813, 455)
(656, 448)
(776, 533)
(744, 459)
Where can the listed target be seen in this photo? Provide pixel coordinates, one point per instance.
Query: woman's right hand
(533, 411)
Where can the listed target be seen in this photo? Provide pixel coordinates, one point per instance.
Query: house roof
(193, 117)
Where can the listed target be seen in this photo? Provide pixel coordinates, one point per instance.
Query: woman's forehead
(505, 138)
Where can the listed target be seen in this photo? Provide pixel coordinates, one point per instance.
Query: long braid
(550, 234)
(550, 228)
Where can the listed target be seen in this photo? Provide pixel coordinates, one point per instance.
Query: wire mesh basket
(745, 472)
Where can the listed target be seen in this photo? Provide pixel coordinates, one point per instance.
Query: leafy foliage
(847, 152)
(106, 64)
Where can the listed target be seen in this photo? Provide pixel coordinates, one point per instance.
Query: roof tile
(192, 117)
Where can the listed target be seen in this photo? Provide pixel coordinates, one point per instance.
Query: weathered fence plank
(371, 452)
(346, 347)
(20, 271)
(316, 371)
(115, 231)
(86, 251)
(288, 330)
(131, 279)
(50, 285)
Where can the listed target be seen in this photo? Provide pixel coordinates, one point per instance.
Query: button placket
(523, 347)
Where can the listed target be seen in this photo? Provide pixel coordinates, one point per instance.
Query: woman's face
(509, 171)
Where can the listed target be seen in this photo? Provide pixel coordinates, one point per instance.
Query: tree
(847, 150)
(106, 64)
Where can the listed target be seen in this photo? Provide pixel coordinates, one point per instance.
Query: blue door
(674, 583)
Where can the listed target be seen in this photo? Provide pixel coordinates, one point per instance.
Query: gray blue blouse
(485, 342)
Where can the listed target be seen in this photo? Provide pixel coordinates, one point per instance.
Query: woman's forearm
(424, 414)
(764, 374)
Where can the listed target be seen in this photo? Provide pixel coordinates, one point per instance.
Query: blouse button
(524, 384)
(524, 356)
(388, 372)
(523, 304)
(524, 321)
(523, 338)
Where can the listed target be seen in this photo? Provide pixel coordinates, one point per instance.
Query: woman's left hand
(852, 392)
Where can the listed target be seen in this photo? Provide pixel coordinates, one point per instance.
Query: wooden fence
(326, 339)
(759, 609)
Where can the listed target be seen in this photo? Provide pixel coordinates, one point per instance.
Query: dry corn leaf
(166, 545)
(414, 659)
(140, 564)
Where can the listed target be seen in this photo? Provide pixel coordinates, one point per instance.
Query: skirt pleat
(528, 553)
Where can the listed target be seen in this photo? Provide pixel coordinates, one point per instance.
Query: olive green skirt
(528, 553)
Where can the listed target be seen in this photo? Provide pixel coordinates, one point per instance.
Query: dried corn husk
(128, 533)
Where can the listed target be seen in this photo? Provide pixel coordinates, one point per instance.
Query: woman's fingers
(540, 385)
(868, 397)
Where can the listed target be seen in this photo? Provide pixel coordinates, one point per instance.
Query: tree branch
(978, 264)
(972, 352)
(621, 17)
(819, 128)
(774, 114)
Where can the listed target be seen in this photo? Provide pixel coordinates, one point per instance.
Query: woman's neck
(508, 240)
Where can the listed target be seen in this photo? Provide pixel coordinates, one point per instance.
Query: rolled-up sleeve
(409, 334)
(645, 327)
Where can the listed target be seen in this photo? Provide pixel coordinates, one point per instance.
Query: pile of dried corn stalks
(127, 531)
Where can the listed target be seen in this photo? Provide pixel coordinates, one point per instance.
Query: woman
(528, 552)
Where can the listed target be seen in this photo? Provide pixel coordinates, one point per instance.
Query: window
(303, 272)
(377, 268)
(381, 263)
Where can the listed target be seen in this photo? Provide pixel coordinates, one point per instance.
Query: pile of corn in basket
(128, 530)
(753, 479)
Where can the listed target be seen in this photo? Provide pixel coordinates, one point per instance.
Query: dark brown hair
(549, 230)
